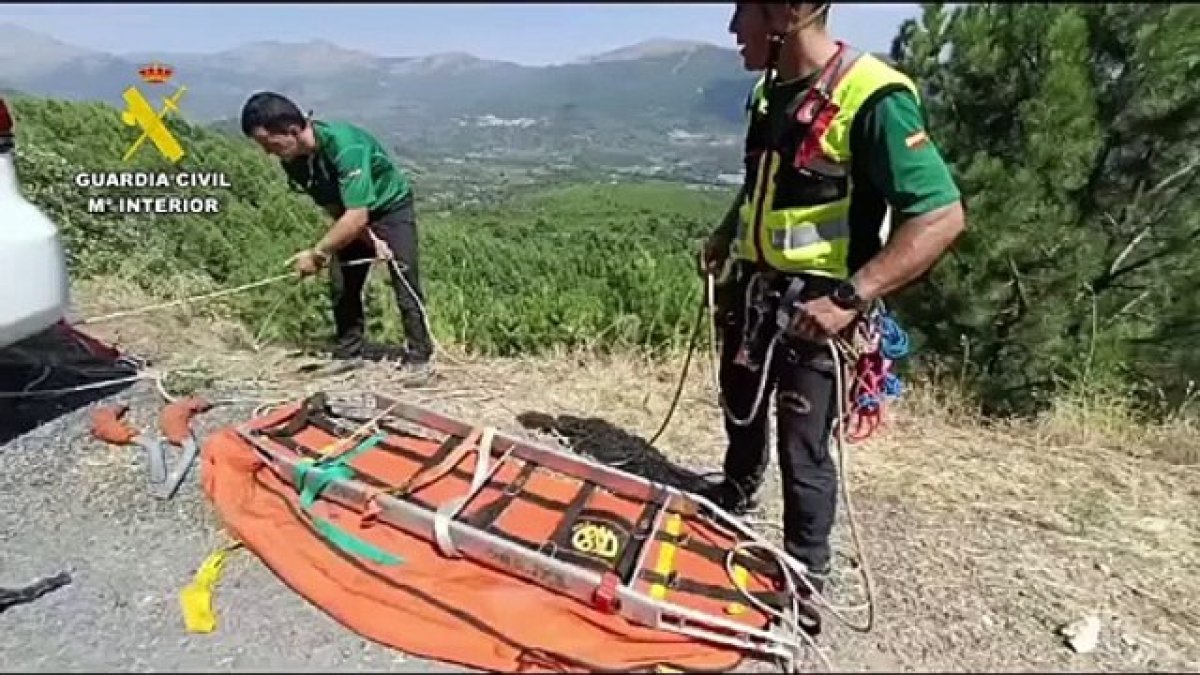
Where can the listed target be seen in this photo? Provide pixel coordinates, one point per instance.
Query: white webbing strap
(449, 511)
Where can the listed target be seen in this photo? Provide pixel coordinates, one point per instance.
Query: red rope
(866, 397)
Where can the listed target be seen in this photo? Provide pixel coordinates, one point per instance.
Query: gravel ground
(984, 541)
(68, 502)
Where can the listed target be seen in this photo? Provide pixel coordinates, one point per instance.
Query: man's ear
(806, 14)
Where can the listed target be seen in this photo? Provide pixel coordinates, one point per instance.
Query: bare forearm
(348, 227)
(914, 247)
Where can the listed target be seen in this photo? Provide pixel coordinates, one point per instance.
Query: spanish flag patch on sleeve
(916, 140)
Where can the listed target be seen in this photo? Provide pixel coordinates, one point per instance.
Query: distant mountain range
(659, 106)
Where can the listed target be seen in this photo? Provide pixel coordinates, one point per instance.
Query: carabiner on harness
(758, 343)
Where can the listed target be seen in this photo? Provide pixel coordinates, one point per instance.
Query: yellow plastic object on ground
(196, 598)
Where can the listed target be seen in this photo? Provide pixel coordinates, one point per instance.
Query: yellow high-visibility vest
(795, 219)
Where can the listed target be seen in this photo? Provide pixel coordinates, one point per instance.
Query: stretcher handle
(175, 419)
(107, 426)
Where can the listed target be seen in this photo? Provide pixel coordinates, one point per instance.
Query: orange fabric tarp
(430, 606)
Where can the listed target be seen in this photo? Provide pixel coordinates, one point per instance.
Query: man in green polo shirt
(346, 171)
(836, 138)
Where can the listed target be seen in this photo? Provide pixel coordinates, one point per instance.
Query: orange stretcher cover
(431, 606)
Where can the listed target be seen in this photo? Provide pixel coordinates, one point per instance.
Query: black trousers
(398, 228)
(801, 377)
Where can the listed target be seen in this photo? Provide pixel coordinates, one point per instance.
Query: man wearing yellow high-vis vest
(836, 138)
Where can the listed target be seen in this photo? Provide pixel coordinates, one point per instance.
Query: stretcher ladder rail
(621, 483)
(516, 559)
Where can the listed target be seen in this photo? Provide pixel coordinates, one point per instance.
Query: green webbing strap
(313, 477)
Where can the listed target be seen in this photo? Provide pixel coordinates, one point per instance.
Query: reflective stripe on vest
(757, 98)
(812, 239)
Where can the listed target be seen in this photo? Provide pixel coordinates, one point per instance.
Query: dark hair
(271, 111)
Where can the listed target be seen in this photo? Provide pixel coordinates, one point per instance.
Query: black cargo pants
(398, 228)
(801, 380)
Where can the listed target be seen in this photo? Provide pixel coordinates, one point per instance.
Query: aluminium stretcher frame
(531, 565)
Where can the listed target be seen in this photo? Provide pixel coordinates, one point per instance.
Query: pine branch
(1126, 308)
(1116, 263)
(1115, 270)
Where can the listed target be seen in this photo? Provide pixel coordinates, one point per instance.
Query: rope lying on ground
(28, 392)
(894, 346)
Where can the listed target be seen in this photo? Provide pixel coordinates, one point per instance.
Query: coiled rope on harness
(863, 399)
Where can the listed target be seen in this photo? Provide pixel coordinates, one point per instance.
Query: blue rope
(892, 386)
(893, 343)
(868, 402)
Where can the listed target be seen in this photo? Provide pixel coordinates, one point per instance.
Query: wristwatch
(846, 296)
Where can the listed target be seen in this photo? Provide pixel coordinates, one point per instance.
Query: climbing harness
(768, 315)
(612, 540)
(859, 403)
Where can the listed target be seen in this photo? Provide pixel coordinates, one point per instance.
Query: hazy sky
(525, 33)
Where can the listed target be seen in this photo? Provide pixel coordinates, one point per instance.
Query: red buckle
(604, 598)
(810, 145)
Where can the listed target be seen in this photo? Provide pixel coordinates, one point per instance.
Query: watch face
(846, 295)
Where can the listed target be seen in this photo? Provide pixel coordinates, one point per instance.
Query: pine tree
(1072, 132)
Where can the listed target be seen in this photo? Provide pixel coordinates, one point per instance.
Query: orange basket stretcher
(655, 555)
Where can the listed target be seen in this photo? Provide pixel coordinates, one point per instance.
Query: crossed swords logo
(141, 114)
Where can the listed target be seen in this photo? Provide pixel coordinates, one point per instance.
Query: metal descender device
(758, 332)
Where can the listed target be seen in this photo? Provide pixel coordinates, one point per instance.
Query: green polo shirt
(895, 162)
(349, 170)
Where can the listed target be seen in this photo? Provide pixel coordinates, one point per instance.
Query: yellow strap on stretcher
(666, 555)
(196, 598)
(740, 576)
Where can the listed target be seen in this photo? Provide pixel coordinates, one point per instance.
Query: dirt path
(982, 542)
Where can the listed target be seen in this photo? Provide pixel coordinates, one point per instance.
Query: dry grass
(984, 538)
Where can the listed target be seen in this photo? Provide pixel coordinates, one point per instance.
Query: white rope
(851, 513)
(439, 352)
(762, 386)
(793, 570)
(710, 295)
(766, 363)
(182, 301)
(788, 566)
(78, 388)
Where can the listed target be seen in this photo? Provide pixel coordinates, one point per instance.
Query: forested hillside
(259, 226)
(549, 268)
